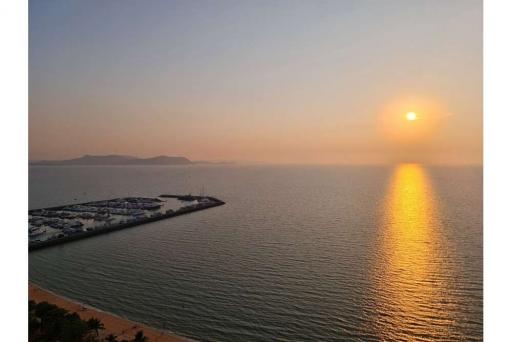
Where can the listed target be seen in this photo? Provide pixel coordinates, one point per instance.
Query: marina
(57, 225)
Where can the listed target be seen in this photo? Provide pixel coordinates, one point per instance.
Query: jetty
(61, 224)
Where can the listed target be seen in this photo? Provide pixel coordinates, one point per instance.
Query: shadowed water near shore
(299, 252)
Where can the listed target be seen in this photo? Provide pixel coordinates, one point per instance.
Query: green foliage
(49, 323)
(34, 322)
(31, 305)
(95, 324)
(111, 338)
(74, 329)
(139, 337)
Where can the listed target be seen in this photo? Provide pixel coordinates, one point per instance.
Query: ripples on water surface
(297, 254)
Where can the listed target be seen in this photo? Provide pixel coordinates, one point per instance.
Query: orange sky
(278, 82)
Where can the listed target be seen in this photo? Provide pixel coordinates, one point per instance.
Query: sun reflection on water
(411, 279)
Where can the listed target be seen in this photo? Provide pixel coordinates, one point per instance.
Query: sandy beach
(121, 327)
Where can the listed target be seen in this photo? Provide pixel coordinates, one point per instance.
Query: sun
(410, 119)
(411, 116)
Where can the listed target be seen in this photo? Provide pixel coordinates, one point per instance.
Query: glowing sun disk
(411, 116)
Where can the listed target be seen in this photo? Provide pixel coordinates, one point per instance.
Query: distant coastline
(121, 327)
(115, 159)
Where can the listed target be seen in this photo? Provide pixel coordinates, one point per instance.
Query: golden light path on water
(412, 282)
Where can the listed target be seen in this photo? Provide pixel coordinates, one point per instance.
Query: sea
(298, 253)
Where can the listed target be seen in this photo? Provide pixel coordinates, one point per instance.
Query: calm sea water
(298, 253)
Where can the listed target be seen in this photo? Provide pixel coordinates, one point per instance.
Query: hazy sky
(274, 81)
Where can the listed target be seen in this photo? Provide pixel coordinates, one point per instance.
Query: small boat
(33, 232)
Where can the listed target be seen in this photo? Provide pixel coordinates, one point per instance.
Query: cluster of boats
(130, 206)
(61, 214)
(38, 224)
(35, 231)
(56, 225)
(141, 203)
(97, 213)
(70, 219)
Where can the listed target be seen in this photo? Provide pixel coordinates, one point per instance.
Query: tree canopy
(50, 323)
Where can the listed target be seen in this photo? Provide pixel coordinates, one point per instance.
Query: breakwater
(204, 202)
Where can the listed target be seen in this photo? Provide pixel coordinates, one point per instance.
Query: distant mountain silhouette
(114, 159)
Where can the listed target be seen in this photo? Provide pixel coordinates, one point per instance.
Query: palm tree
(111, 338)
(139, 337)
(48, 312)
(95, 324)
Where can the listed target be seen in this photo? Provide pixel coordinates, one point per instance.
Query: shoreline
(121, 327)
